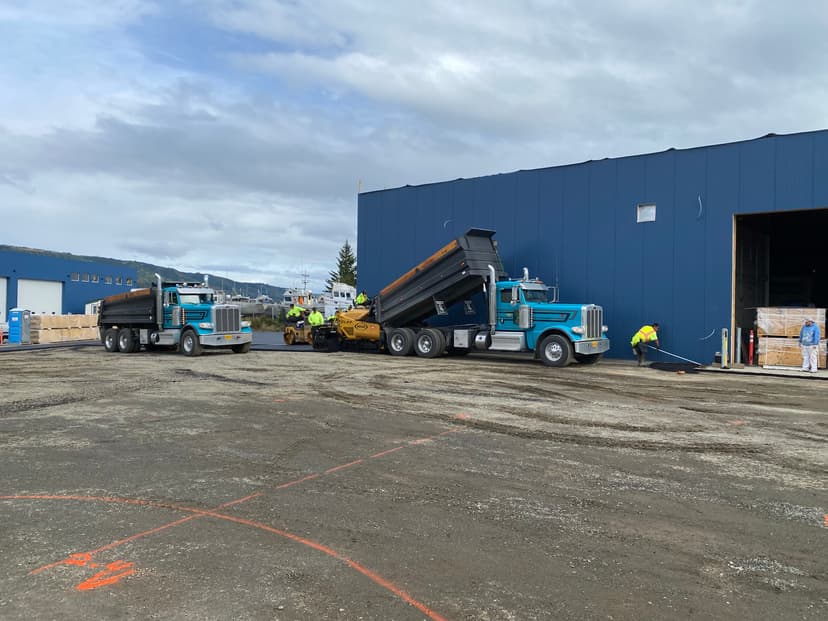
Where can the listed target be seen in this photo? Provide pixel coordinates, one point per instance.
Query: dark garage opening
(781, 260)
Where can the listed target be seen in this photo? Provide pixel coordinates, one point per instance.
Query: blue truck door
(507, 311)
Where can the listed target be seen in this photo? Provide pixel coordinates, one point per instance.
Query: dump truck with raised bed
(522, 314)
(183, 316)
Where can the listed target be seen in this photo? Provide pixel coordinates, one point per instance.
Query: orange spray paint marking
(384, 453)
(343, 466)
(737, 422)
(461, 416)
(826, 521)
(112, 574)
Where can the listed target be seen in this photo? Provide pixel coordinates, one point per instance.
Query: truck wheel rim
(554, 351)
(426, 345)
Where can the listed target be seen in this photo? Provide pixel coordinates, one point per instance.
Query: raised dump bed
(450, 275)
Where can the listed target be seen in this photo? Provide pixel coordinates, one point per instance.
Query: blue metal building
(695, 239)
(47, 284)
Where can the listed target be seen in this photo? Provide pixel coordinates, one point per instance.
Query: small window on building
(75, 276)
(119, 280)
(646, 212)
(96, 278)
(108, 280)
(85, 277)
(129, 282)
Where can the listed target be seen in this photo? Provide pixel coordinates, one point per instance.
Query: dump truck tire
(126, 341)
(189, 343)
(110, 340)
(400, 341)
(430, 343)
(555, 351)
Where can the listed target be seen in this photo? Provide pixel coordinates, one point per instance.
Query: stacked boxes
(62, 328)
(778, 330)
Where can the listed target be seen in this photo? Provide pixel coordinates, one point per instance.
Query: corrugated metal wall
(15, 265)
(578, 223)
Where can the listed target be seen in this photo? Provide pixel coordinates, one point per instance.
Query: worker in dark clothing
(642, 339)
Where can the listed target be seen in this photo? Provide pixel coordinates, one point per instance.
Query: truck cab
(528, 317)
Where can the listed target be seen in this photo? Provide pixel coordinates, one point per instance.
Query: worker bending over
(641, 339)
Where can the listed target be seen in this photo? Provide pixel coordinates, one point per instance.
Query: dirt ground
(309, 486)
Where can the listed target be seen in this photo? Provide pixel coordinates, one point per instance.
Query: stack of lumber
(62, 328)
(778, 329)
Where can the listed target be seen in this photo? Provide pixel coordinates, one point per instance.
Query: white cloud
(232, 133)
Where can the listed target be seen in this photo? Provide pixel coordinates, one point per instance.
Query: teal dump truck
(172, 315)
(522, 314)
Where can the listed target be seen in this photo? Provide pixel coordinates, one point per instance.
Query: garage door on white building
(4, 317)
(44, 297)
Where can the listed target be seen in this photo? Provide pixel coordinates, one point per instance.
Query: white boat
(340, 297)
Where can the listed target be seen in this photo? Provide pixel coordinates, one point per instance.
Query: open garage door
(781, 260)
(44, 297)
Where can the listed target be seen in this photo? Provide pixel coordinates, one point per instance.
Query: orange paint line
(297, 481)
(100, 579)
(114, 544)
(449, 432)
(343, 466)
(238, 501)
(373, 576)
(826, 521)
(96, 581)
(384, 453)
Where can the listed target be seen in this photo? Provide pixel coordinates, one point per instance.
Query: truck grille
(593, 319)
(228, 318)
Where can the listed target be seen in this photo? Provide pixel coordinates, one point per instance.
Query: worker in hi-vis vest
(361, 299)
(316, 318)
(645, 336)
(294, 314)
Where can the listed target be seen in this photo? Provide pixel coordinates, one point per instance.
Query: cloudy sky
(231, 136)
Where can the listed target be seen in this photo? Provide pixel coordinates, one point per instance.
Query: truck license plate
(594, 344)
(228, 337)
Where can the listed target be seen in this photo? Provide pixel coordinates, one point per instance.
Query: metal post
(750, 349)
(725, 348)
(737, 357)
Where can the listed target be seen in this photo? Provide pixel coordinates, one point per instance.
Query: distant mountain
(146, 274)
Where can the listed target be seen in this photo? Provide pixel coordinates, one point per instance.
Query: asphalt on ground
(314, 486)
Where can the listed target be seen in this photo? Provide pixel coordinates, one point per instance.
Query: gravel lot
(294, 485)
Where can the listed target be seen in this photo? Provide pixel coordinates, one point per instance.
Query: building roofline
(605, 159)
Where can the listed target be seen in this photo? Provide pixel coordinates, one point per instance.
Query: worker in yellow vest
(642, 339)
(361, 299)
(294, 314)
(316, 318)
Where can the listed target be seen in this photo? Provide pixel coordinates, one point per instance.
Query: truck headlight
(604, 328)
(578, 329)
(205, 325)
(245, 324)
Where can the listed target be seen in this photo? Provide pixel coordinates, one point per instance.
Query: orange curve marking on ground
(98, 580)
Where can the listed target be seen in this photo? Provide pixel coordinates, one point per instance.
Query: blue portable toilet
(19, 325)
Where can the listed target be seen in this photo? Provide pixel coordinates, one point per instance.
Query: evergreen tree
(345, 267)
